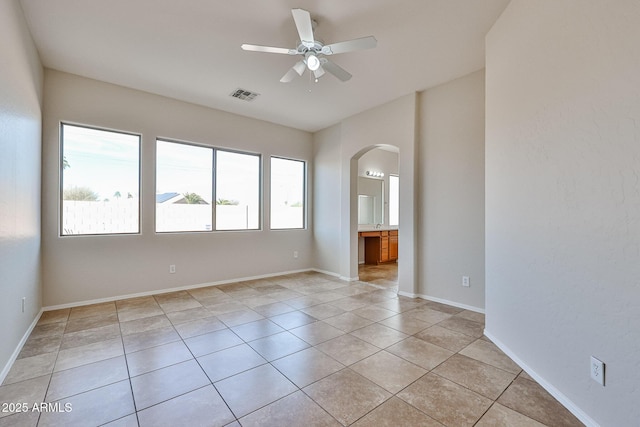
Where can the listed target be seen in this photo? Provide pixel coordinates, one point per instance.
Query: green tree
(65, 163)
(193, 199)
(227, 202)
(80, 194)
(117, 195)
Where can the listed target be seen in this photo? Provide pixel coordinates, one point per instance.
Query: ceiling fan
(313, 52)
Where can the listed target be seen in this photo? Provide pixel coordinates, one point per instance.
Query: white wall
(337, 150)
(20, 128)
(82, 268)
(563, 198)
(451, 191)
(394, 124)
(327, 164)
(440, 136)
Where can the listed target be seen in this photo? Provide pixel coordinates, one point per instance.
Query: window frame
(395, 176)
(305, 181)
(155, 184)
(214, 172)
(61, 126)
(260, 188)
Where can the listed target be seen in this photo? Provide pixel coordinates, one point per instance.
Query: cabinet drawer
(369, 234)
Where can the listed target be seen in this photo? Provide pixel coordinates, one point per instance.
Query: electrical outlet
(597, 370)
(465, 281)
(172, 269)
(295, 254)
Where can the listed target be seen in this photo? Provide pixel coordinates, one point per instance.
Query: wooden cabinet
(384, 246)
(380, 246)
(393, 244)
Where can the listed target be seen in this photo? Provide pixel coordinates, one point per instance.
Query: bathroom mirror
(366, 209)
(370, 201)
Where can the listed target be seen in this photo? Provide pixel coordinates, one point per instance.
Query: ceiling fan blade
(336, 70)
(302, 19)
(350, 45)
(268, 49)
(319, 72)
(289, 76)
(294, 71)
(299, 67)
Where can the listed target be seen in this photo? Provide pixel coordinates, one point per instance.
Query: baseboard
(442, 301)
(180, 288)
(564, 400)
(16, 352)
(328, 273)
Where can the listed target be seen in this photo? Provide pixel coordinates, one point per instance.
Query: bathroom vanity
(380, 246)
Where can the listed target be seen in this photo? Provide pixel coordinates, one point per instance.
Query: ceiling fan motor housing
(313, 50)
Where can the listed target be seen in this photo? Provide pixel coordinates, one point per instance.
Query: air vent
(244, 94)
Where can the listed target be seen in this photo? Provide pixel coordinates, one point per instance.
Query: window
(185, 183)
(287, 193)
(100, 181)
(394, 200)
(184, 187)
(237, 191)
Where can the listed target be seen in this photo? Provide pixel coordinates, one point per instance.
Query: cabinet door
(372, 250)
(393, 247)
(384, 249)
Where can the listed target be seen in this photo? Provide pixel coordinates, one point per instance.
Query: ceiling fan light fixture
(310, 48)
(313, 63)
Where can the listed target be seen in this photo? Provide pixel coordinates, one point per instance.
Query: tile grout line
(126, 361)
(368, 303)
(44, 398)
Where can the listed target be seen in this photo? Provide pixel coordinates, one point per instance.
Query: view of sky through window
(198, 188)
(184, 187)
(237, 191)
(183, 168)
(100, 181)
(287, 193)
(104, 161)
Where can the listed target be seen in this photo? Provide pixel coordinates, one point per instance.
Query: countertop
(373, 228)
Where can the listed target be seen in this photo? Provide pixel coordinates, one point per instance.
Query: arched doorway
(378, 216)
(394, 124)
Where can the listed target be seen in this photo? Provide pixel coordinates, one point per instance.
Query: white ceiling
(190, 49)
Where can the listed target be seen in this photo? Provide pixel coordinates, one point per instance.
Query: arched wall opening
(377, 214)
(407, 273)
(392, 124)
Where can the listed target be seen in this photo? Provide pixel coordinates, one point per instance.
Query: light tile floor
(303, 349)
(382, 275)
